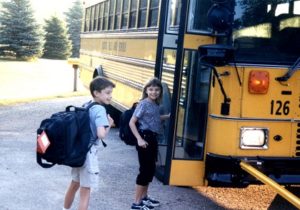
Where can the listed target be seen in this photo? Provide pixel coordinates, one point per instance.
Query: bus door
(187, 166)
(165, 69)
(191, 89)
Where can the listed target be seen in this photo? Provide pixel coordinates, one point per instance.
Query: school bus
(229, 69)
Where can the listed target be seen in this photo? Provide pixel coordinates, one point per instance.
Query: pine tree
(74, 20)
(19, 32)
(57, 45)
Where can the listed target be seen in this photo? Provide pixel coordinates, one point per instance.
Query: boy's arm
(102, 131)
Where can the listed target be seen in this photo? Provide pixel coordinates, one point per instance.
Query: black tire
(98, 71)
(114, 113)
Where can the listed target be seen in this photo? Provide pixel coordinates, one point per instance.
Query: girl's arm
(141, 142)
(165, 116)
(103, 131)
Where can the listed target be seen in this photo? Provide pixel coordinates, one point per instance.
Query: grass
(43, 79)
(8, 102)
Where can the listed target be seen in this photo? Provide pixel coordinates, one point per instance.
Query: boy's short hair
(99, 83)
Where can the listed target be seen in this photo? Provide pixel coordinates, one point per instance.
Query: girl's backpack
(125, 132)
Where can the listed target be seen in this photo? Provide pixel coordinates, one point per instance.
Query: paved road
(24, 185)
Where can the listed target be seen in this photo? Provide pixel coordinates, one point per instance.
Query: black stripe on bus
(219, 117)
(286, 92)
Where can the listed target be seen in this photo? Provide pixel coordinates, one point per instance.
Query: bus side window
(133, 14)
(111, 15)
(125, 14)
(153, 13)
(142, 13)
(117, 14)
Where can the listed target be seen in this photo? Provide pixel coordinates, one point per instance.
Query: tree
(74, 20)
(57, 44)
(19, 32)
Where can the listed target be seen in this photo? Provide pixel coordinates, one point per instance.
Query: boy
(85, 177)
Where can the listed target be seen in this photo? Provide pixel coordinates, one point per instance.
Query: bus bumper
(226, 171)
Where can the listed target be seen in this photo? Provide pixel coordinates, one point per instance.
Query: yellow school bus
(231, 82)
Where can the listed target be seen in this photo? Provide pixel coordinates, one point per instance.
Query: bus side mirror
(220, 16)
(216, 54)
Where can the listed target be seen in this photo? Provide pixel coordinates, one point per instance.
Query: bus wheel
(98, 71)
(114, 113)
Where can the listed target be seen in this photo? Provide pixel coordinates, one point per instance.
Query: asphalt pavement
(24, 185)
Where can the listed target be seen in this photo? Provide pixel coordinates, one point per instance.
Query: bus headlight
(254, 138)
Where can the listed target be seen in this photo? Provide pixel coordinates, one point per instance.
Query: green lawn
(22, 81)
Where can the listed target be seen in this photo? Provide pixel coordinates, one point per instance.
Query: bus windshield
(267, 31)
(264, 31)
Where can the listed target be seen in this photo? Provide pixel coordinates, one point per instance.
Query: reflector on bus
(258, 82)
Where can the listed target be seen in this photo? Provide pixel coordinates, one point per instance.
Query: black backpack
(69, 134)
(125, 132)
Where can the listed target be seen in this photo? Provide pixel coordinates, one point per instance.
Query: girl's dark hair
(100, 83)
(155, 83)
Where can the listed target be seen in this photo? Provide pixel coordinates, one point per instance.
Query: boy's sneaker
(141, 206)
(150, 202)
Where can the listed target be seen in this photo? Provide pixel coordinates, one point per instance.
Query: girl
(149, 120)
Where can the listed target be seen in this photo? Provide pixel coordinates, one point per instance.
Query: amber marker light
(258, 82)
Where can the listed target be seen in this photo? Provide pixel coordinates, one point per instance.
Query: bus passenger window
(133, 11)
(87, 19)
(153, 13)
(111, 15)
(100, 17)
(117, 14)
(96, 17)
(142, 13)
(92, 18)
(125, 14)
(105, 17)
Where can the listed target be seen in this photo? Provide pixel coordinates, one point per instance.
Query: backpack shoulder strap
(91, 104)
(87, 108)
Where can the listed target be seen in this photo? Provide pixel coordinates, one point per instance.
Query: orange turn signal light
(258, 82)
